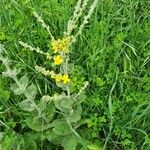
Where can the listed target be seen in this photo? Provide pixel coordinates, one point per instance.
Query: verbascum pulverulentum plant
(57, 116)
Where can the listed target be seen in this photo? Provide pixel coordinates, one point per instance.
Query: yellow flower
(61, 45)
(65, 79)
(58, 60)
(58, 77)
(61, 78)
(54, 45)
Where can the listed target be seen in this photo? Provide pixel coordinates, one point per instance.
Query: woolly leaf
(42, 105)
(49, 112)
(37, 124)
(94, 147)
(61, 127)
(59, 106)
(24, 81)
(27, 105)
(70, 67)
(32, 91)
(53, 137)
(75, 114)
(17, 90)
(1, 136)
(69, 142)
(67, 103)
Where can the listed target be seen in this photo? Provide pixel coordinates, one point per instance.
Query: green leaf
(25, 2)
(49, 112)
(69, 142)
(70, 67)
(24, 81)
(59, 106)
(37, 124)
(75, 114)
(4, 94)
(22, 87)
(16, 89)
(94, 147)
(29, 141)
(80, 98)
(53, 137)
(67, 103)
(61, 127)
(42, 105)
(1, 136)
(147, 140)
(32, 91)
(27, 105)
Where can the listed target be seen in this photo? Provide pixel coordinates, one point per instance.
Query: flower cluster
(58, 59)
(61, 45)
(61, 48)
(61, 78)
(64, 78)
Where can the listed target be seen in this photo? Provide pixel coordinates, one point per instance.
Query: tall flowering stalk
(58, 115)
(61, 47)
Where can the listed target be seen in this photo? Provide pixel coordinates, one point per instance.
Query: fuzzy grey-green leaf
(53, 137)
(27, 105)
(16, 89)
(69, 142)
(37, 124)
(61, 127)
(67, 103)
(32, 91)
(75, 114)
(24, 81)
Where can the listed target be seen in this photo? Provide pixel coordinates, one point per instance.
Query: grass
(112, 54)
